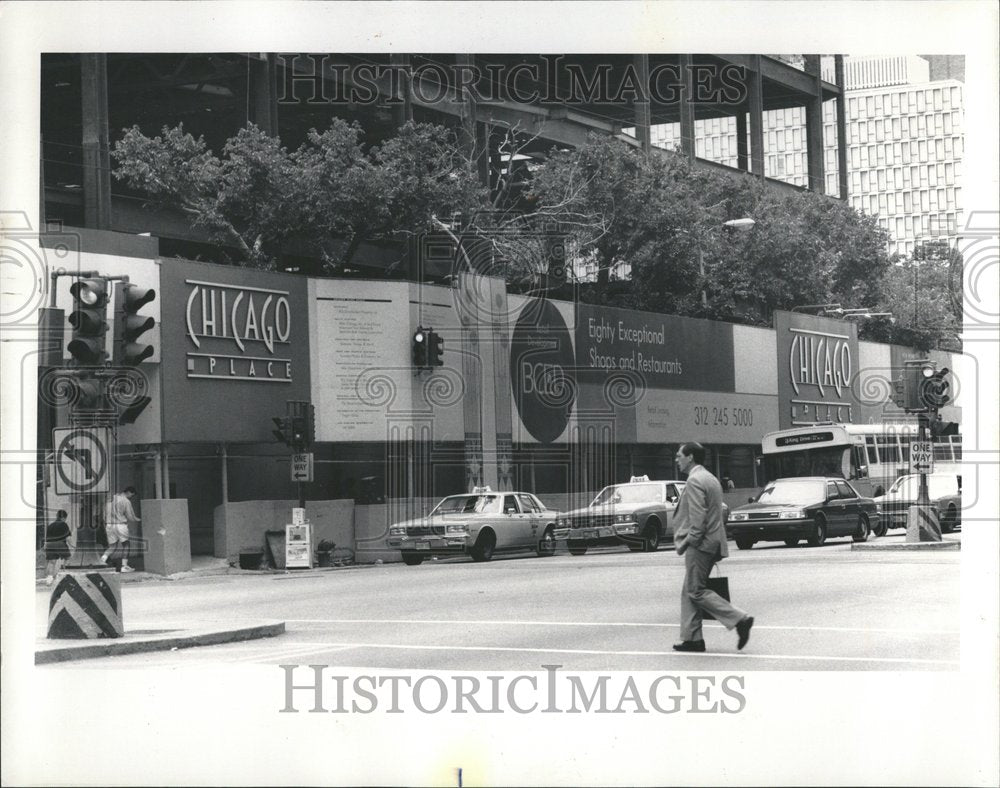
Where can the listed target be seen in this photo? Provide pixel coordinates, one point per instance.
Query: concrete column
(742, 154)
(263, 109)
(403, 111)
(841, 126)
(641, 106)
(755, 90)
(687, 108)
(96, 158)
(225, 474)
(475, 132)
(814, 128)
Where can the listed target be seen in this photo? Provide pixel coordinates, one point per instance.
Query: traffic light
(435, 349)
(935, 389)
(129, 324)
(420, 343)
(89, 320)
(899, 390)
(309, 414)
(298, 433)
(915, 374)
(90, 396)
(284, 429)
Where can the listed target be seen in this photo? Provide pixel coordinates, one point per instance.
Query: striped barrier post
(86, 606)
(922, 524)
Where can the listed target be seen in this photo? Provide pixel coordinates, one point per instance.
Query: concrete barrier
(242, 525)
(86, 606)
(167, 536)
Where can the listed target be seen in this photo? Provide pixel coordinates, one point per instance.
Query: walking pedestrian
(117, 515)
(57, 534)
(700, 536)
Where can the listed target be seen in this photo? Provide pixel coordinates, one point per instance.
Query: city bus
(870, 456)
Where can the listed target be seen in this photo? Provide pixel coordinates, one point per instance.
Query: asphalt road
(822, 608)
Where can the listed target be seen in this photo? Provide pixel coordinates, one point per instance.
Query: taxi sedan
(479, 525)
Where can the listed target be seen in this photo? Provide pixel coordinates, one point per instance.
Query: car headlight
(397, 530)
(796, 514)
(453, 529)
(739, 516)
(623, 518)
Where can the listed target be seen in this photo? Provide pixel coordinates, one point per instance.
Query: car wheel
(881, 527)
(651, 536)
(949, 520)
(745, 542)
(819, 532)
(547, 546)
(577, 548)
(863, 530)
(412, 559)
(791, 541)
(483, 549)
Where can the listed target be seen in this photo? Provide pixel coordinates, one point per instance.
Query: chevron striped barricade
(86, 606)
(922, 524)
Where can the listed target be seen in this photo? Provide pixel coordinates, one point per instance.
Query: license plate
(422, 546)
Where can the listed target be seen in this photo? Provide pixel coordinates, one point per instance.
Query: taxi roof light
(642, 478)
(481, 490)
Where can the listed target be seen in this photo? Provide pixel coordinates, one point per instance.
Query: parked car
(811, 508)
(943, 489)
(480, 525)
(638, 514)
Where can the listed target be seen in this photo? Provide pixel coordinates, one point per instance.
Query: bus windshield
(825, 461)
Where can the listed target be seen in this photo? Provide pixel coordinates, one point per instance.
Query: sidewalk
(201, 566)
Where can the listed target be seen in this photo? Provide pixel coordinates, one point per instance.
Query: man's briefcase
(719, 585)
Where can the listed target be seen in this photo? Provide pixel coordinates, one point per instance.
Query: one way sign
(921, 457)
(302, 467)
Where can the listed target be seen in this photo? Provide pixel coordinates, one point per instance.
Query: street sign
(921, 457)
(83, 458)
(302, 467)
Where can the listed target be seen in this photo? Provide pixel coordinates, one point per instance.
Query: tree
(924, 294)
(664, 220)
(248, 199)
(330, 194)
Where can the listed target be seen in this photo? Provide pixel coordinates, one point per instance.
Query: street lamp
(864, 313)
(834, 308)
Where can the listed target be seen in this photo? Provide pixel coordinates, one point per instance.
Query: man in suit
(700, 536)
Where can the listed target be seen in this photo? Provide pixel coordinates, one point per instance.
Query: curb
(167, 640)
(908, 546)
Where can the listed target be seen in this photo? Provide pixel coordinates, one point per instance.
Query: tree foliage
(665, 221)
(924, 293)
(331, 194)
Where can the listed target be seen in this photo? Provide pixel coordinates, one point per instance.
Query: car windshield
(468, 504)
(937, 486)
(629, 493)
(795, 491)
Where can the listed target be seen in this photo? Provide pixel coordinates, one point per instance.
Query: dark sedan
(811, 508)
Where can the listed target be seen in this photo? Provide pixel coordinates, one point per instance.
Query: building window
(907, 201)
